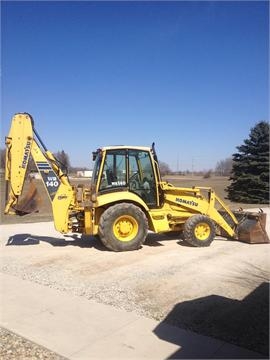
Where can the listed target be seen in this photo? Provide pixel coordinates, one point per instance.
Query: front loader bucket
(30, 202)
(251, 227)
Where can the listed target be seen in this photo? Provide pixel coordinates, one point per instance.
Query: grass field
(45, 214)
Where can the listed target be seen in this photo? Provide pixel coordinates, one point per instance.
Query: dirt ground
(220, 291)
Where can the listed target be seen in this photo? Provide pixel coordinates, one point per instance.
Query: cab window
(114, 170)
(141, 176)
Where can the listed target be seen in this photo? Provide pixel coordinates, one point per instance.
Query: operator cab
(126, 169)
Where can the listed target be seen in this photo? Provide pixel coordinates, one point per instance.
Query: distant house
(85, 173)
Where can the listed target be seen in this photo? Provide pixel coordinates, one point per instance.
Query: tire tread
(189, 227)
(106, 235)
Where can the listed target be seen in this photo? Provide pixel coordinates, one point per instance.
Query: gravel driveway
(220, 291)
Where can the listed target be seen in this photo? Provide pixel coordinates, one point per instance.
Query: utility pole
(177, 165)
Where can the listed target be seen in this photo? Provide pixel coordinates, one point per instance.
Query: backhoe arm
(18, 149)
(20, 143)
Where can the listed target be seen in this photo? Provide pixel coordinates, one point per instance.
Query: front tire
(199, 231)
(123, 227)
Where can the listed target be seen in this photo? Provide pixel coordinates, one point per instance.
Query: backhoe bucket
(251, 227)
(30, 202)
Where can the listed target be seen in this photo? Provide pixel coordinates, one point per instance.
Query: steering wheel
(134, 183)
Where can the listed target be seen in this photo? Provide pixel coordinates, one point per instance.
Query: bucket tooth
(251, 227)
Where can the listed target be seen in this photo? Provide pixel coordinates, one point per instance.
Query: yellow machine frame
(80, 209)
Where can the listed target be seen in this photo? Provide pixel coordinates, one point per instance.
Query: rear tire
(123, 227)
(199, 231)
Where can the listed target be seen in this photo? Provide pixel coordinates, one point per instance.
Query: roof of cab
(122, 147)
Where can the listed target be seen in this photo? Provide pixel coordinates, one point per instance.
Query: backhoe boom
(20, 144)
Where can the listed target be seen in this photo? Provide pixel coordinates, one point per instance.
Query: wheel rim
(202, 231)
(125, 228)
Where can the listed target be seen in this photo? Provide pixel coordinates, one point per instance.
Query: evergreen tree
(250, 172)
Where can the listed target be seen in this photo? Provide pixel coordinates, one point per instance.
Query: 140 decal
(52, 181)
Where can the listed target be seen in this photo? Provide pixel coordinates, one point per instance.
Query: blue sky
(191, 76)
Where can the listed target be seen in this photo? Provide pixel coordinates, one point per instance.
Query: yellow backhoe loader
(126, 197)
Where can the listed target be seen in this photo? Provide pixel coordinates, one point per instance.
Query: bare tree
(207, 174)
(63, 158)
(224, 167)
(3, 158)
(164, 168)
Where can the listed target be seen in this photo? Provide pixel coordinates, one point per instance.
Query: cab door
(114, 171)
(141, 178)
